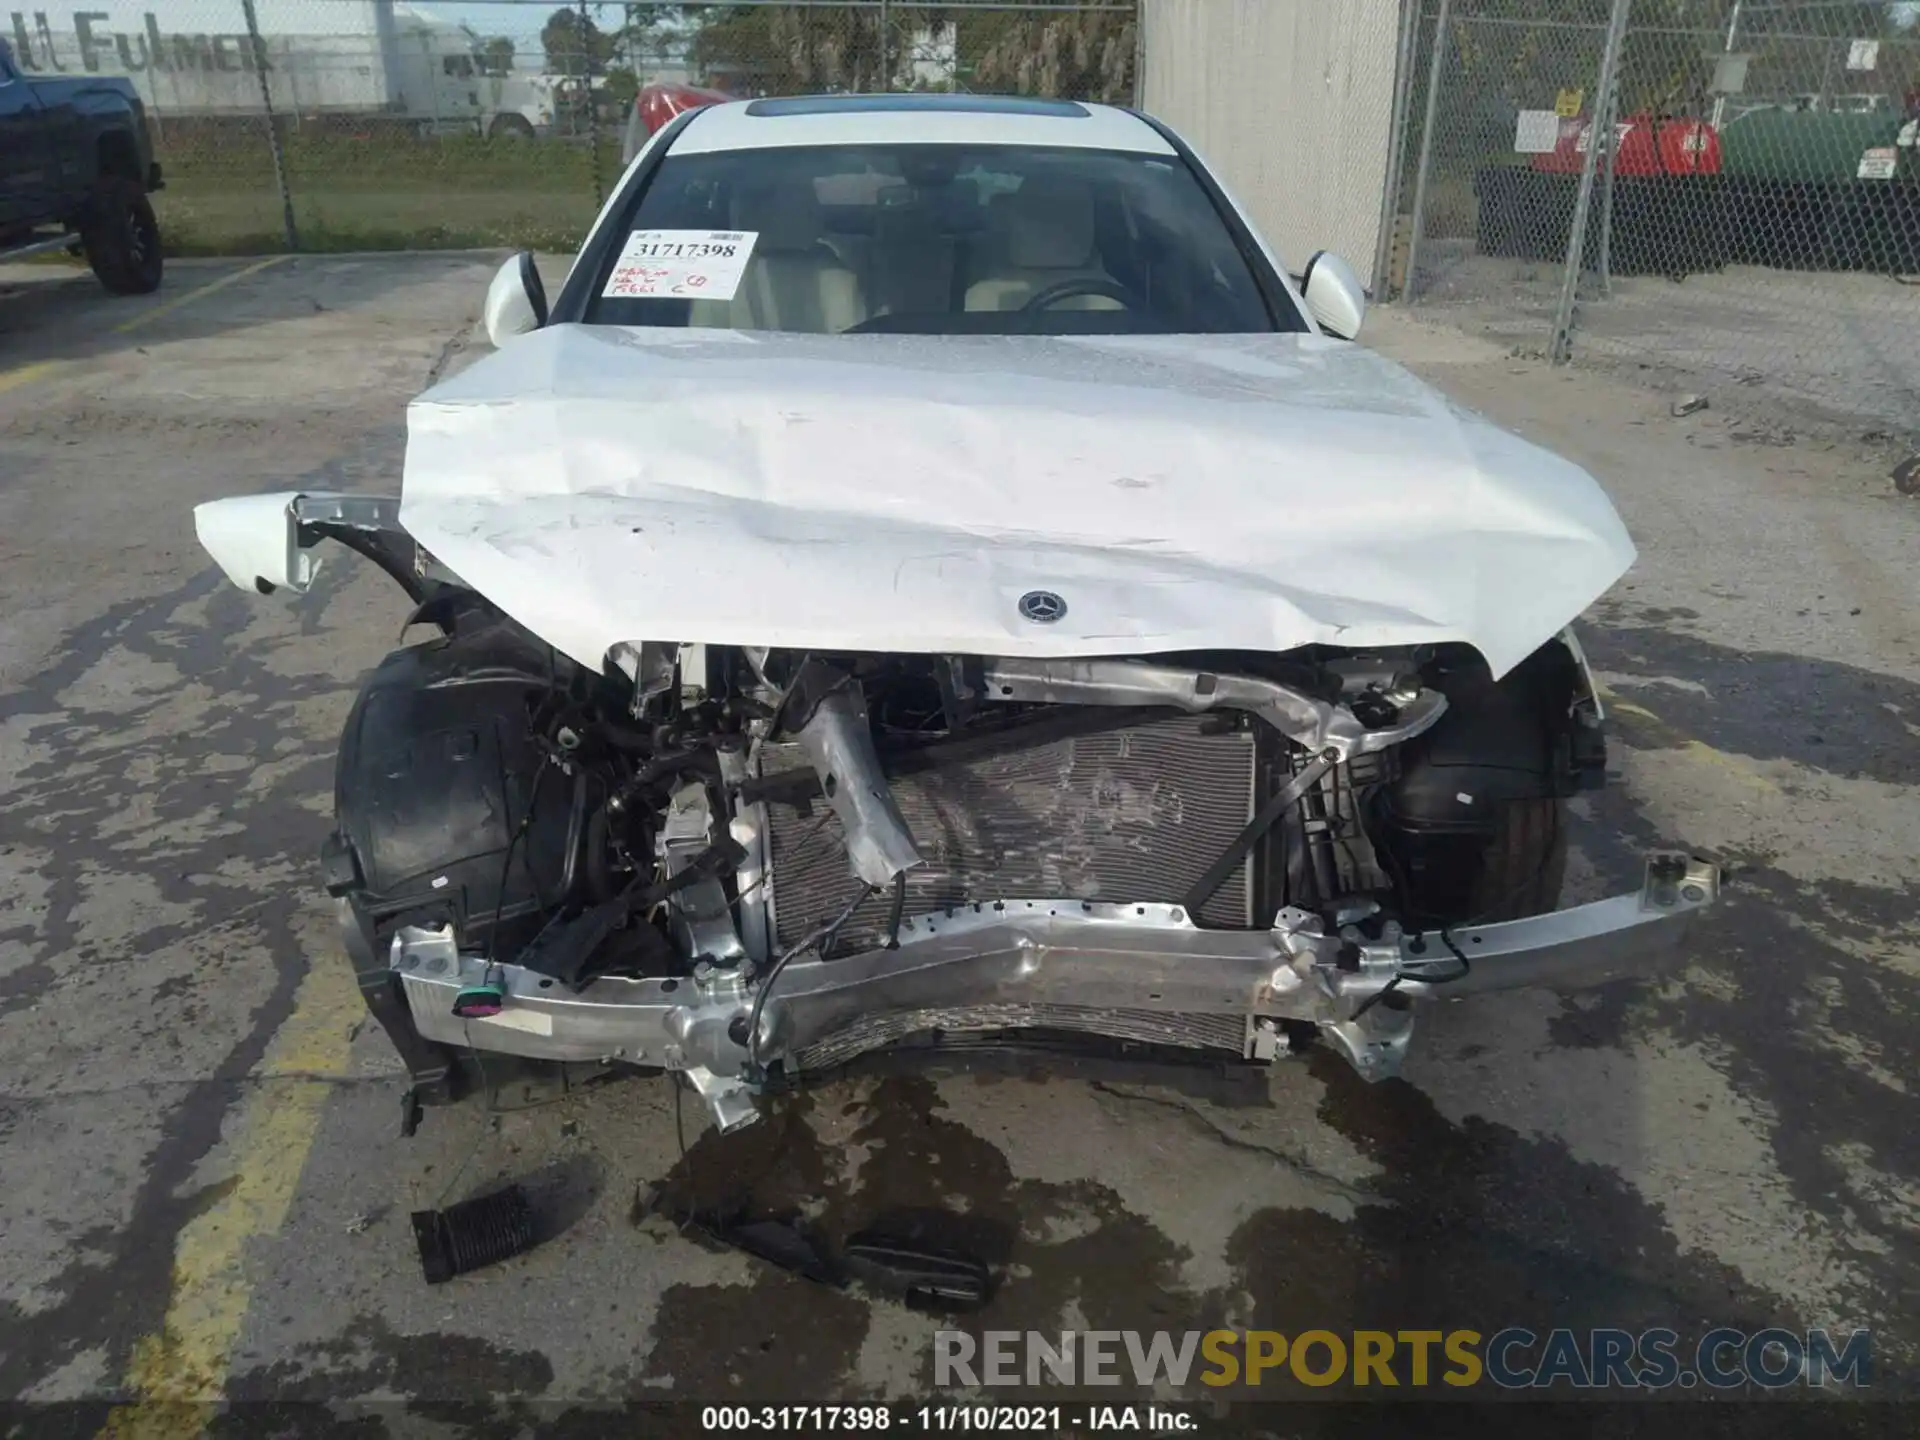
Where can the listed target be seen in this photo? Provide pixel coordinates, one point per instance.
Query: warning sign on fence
(1537, 132)
(1878, 163)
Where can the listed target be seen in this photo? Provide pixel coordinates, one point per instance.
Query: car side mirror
(516, 300)
(1334, 294)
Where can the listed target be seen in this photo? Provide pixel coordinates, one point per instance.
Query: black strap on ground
(1284, 799)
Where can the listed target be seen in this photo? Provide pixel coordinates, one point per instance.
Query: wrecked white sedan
(933, 579)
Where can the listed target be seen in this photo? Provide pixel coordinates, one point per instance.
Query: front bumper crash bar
(1056, 955)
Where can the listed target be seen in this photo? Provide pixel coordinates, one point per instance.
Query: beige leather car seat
(794, 281)
(1040, 235)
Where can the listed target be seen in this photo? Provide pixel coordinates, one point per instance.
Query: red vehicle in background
(657, 104)
(1644, 146)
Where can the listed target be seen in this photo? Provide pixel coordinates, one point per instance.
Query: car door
(24, 177)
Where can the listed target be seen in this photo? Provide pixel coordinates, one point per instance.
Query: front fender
(263, 542)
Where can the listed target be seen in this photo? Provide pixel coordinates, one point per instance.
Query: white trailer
(373, 58)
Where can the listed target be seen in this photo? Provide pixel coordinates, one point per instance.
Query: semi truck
(346, 59)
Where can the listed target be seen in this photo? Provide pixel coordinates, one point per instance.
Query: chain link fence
(1723, 195)
(377, 124)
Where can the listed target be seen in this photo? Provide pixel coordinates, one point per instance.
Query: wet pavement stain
(369, 1358)
(1780, 980)
(767, 1341)
(925, 1178)
(1478, 1227)
(778, 1334)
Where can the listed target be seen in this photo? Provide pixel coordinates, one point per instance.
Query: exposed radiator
(1120, 815)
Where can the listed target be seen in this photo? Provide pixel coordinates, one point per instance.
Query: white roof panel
(916, 120)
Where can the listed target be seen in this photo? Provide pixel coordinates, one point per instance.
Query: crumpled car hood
(903, 493)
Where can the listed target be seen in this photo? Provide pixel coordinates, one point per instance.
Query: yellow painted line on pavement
(1665, 733)
(46, 369)
(177, 1375)
(39, 370)
(232, 277)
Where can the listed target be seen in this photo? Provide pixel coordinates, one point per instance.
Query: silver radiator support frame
(1057, 956)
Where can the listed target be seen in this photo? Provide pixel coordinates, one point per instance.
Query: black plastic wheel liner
(439, 773)
(432, 1068)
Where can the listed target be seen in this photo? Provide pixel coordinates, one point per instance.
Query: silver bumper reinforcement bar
(1061, 963)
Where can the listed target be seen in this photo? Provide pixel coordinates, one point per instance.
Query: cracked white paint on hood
(901, 493)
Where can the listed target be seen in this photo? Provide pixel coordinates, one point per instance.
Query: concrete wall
(1291, 102)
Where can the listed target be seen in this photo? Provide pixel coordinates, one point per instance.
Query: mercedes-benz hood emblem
(1043, 607)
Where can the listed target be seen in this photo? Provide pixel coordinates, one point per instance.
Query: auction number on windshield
(686, 249)
(681, 264)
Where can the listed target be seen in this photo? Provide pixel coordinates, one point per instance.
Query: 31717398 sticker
(681, 265)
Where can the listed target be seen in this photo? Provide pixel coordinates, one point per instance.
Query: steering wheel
(1082, 285)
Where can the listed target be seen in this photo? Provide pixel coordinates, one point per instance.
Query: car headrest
(1049, 224)
(787, 215)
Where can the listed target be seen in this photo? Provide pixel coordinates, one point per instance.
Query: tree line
(788, 49)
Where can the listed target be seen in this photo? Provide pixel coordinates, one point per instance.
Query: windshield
(930, 240)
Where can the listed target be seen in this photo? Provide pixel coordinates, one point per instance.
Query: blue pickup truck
(76, 168)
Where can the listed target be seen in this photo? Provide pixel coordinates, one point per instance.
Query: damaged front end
(756, 865)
